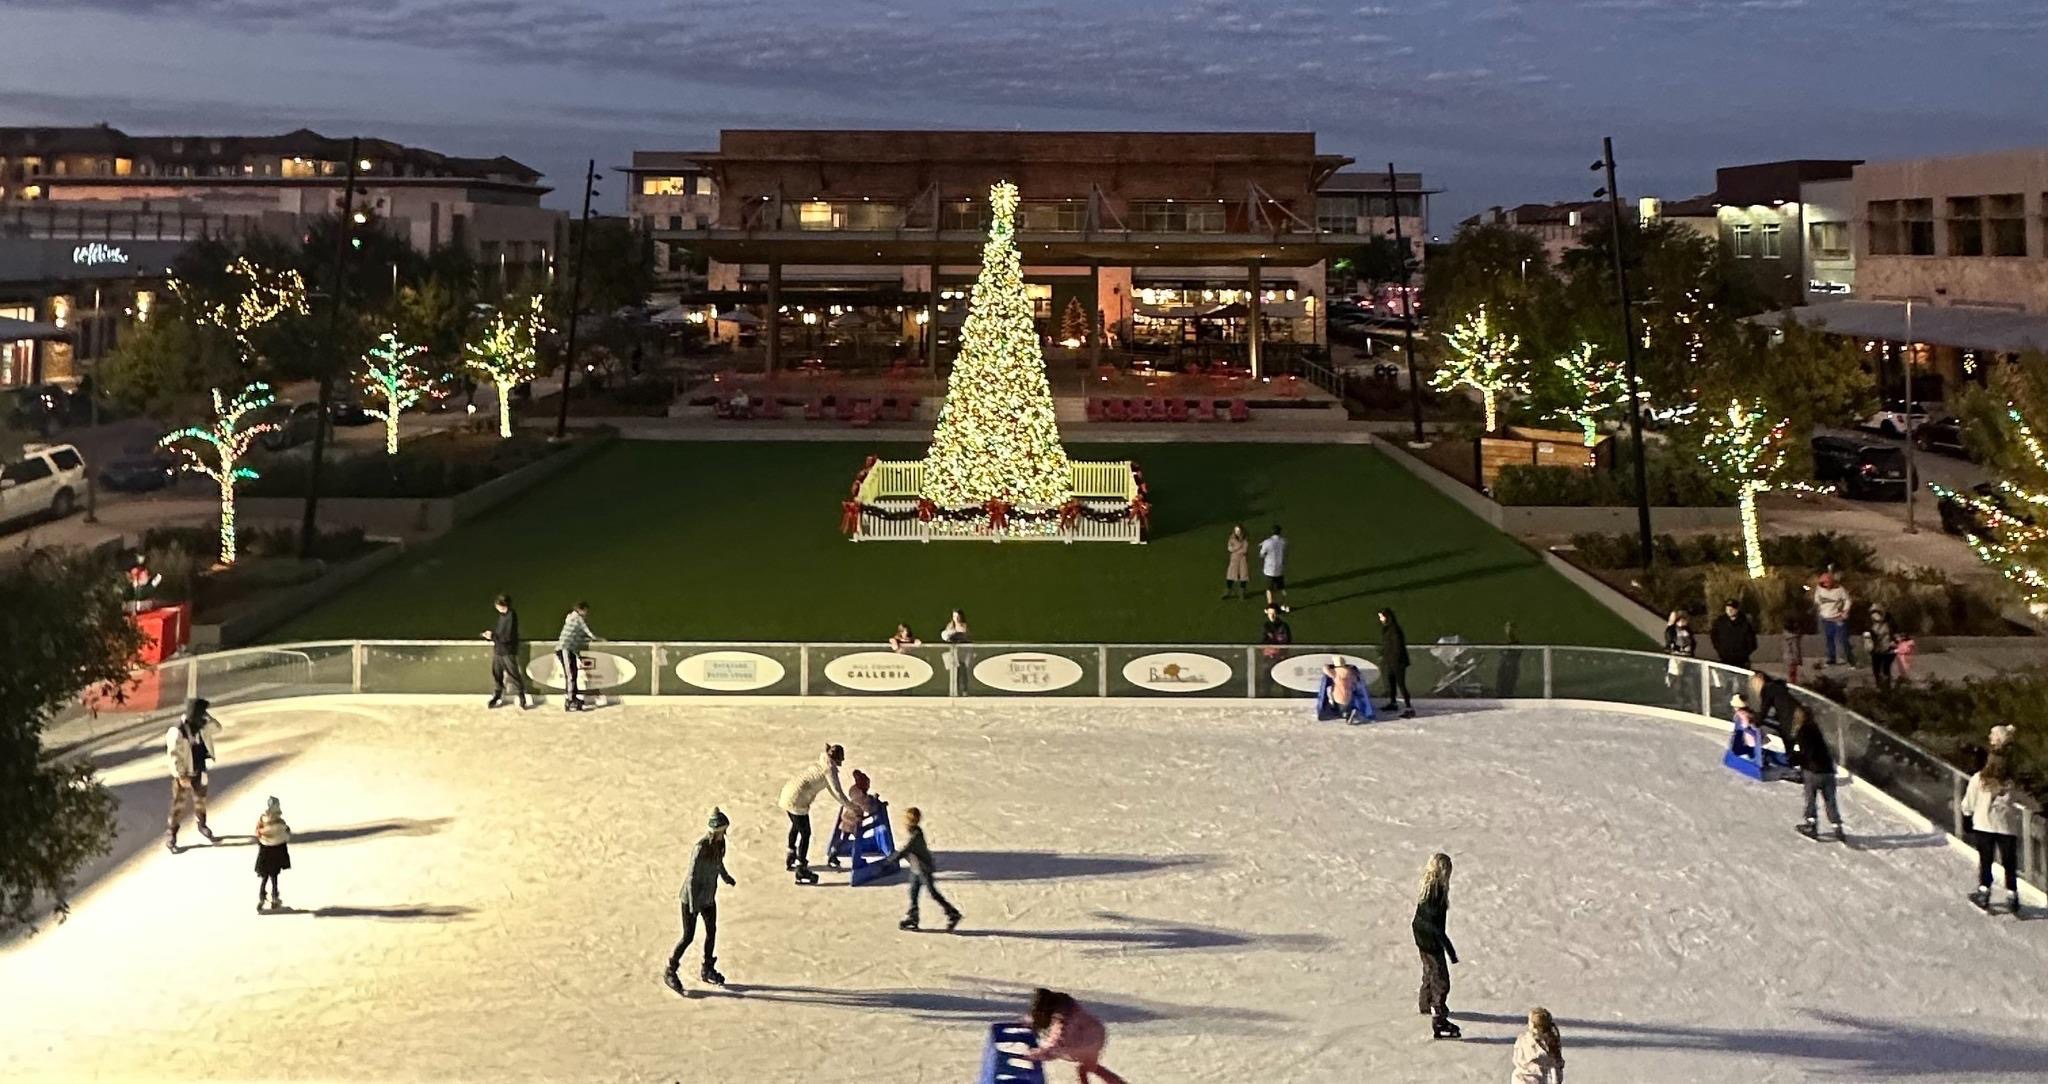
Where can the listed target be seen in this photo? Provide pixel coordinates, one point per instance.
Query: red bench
(1240, 411)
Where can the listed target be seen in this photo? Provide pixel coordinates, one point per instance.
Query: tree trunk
(1752, 542)
(227, 514)
(1486, 395)
(504, 410)
(391, 433)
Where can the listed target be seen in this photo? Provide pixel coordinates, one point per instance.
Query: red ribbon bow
(926, 510)
(849, 517)
(998, 514)
(1070, 514)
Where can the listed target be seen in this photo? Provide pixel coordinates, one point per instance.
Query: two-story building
(1141, 236)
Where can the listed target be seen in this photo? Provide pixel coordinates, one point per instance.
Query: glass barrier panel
(875, 670)
(1296, 670)
(1624, 677)
(1029, 669)
(2034, 863)
(440, 668)
(268, 673)
(1176, 671)
(1922, 782)
(731, 669)
(1509, 673)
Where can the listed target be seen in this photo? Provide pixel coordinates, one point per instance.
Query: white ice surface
(1230, 886)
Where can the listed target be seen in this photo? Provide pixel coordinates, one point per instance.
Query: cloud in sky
(1497, 100)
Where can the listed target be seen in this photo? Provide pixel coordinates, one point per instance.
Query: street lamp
(590, 176)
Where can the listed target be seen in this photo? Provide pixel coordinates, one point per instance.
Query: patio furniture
(1240, 411)
(771, 409)
(845, 410)
(814, 410)
(1094, 409)
(1113, 410)
(1177, 410)
(906, 410)
(1205, 410)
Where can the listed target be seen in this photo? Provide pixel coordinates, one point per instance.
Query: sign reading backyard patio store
(730, 671)
(1027, 672)
(1304, 673)
(878, 672)
(1176, 672)
(601, 670)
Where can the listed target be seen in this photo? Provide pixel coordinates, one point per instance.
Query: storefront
(65, 301)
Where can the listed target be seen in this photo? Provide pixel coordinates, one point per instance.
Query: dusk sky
(1494, 100)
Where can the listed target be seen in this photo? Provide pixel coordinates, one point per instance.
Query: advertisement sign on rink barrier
(878, 672)
(1177, 672)
(1304, 673)
(601, 670)
(730, 671)
(1028, 672)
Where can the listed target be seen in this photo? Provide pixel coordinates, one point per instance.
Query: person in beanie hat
(273, 852)
(917, 857)
(188, 746)
(700, 900)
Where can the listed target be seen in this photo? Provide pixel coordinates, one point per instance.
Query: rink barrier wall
(1919, 782)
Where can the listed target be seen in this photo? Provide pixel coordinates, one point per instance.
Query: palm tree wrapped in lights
(229, 438)
(2016, 547)
(1599, 386)
(1485, 358)
(508, 353)
(390, 375)
(1744, 445)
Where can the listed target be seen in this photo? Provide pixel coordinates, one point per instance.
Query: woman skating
(797, 796)
(1432, 907)
(1539, 1052)
(700, 900)
(1994, 821)
(273, 852)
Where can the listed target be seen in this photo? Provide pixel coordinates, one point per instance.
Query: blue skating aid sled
(999, 1066)
(868, 850)
(1751, 766)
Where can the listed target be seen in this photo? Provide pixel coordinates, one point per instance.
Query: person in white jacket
(1831, 604)
(1539, 1052)
(188, 746)
(1994, 820)
(800, 792)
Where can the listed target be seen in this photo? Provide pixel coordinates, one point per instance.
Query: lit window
(664, 186)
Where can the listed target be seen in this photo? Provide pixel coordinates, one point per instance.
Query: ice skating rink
(489, 897)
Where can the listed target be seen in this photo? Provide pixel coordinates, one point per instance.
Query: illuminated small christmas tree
(229, 439)
(1746, 447)
(1074, 325)
(2017, 548)
(390, 375)
(1597, 387)
(508, 353)
(997, 439)
(1484, 358)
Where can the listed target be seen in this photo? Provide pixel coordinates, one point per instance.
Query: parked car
(1862, 470)
(1891, 421)
(295, 423)
(352, 412)
(1943, 435)
(140, 472)
(48, 478)
(1960, 519)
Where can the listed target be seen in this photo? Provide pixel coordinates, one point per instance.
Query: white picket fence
(893, 486)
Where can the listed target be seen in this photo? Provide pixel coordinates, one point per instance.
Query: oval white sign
(1177, 672)
(730, 671)
(1304, 673)
(1027, 672)
(878, 672)
(601, 670)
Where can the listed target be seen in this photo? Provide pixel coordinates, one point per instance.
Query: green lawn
(733, 541)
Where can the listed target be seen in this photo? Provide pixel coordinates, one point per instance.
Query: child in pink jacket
(1071, 1032)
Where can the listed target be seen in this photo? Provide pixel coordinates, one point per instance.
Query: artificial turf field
(739, 541)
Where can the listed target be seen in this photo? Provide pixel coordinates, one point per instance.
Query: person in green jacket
(916, 856)
(700, 899)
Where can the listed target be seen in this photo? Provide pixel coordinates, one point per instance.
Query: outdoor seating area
(1168, 410)
(848, 409)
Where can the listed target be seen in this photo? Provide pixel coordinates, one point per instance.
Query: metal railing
(1888, 762)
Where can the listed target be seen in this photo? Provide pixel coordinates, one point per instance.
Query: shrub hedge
(437, 465)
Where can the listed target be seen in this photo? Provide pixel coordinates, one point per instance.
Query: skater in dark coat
(1773, 705)
(1810, 753)
(273, 852)
(917, 858)
(1394, 657)
(504, 638)
(1733, 636)
(1432, 907)
(700, 900)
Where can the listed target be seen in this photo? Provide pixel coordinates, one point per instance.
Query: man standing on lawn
(504, 638)
(569, 647)
(1273, 557)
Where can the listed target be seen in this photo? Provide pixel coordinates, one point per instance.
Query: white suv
(47, 478)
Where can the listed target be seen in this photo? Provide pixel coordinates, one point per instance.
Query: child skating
(797, 796)
(273, 853)
(700, 900)
(1432, 907)
(916, 856)
(1539, 1052)
(847, 825)
(1070, 1033)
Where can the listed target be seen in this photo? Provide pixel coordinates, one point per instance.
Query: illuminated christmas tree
(229, 440)
(2017, 548)
(508, 353)
(997, 439)
(1074, 325)
(1746, 447)
(390, 375)
(1597, 387)
(1484, 358)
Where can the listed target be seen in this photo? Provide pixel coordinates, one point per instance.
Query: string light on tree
(508, 353)
(2017, 548)
(390, 376)
(229, 439)
(1599, 386)
(1745, 446)
(1073, 325)
(265, 295)
(996, 438)
(1483, 358)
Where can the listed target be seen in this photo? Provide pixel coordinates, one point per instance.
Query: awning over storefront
(1961, 326)
(12, 330)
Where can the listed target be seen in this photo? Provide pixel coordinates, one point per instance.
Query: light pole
(1628, 342)
(1912, 460)
(1407, 304)
(92, 402)
(338, 291)
(575, 298)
